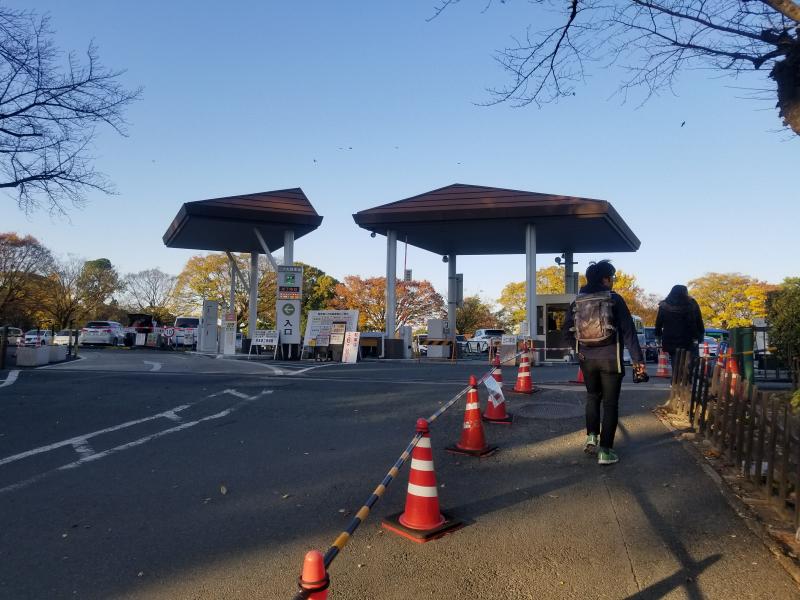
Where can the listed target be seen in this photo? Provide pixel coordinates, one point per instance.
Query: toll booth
(438, 330)
(551, 312)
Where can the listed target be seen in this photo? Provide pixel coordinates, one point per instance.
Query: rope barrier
(344, 537)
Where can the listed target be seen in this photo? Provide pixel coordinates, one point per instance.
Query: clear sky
(364, 103)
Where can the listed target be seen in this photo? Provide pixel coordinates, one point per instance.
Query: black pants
(603, 383)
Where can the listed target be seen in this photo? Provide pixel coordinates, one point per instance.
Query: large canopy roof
(470, 219)
(228, 223)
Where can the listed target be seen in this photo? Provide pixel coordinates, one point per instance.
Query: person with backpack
(599, 324)
(679, 323)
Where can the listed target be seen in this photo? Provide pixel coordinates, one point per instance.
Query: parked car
(102, 332)
(461, 342)
(421, 342)
(482, 338)
(650, 347)
(38, 337)
(62, 338)
(15, 336)
(712, 346)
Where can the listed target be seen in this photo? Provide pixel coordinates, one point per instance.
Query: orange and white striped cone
(524, 383)
(663, 369)
(579, 377)
(314, 580)
(497, 375)
(731, 364)
(496, 405)
(421, 521)
(473, 440)
(496, 360)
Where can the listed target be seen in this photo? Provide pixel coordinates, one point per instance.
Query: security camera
(373, 234)
(445, 259)
(558, 260)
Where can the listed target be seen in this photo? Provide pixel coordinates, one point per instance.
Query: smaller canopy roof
(470, 219)
(227, 223)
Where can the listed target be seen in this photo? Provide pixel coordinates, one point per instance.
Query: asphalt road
(144, 475)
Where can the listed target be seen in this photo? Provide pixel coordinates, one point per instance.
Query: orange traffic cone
(731, 364)
(314, 580)
(473, 440)
(421, 521)
(497, 375)
(579, 377)
(496, 405)
(524, 384)
(663, 365)
(496, 360)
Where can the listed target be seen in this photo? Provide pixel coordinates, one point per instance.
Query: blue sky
(246, 97)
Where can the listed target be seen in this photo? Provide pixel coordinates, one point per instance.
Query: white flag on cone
(495, 391)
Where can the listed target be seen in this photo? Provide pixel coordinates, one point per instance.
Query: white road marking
(76, 442)
(156, 366)
(82, 438)
(299, 371)
(12, 377)
(83, 448)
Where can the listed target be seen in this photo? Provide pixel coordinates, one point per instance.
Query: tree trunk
(786, 74)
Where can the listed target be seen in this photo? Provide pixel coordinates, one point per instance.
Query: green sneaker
(590, 447)
(606, 456)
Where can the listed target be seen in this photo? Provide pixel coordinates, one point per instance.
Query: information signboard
(229, 334)
(265, 337)
(290, 293)
(350, 350)
(337, 333)
(319, 319)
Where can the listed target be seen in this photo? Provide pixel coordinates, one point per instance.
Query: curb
(754, 522)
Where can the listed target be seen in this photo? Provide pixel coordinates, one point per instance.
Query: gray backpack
(594, 319)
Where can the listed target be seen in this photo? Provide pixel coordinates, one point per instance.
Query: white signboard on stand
(265, 338)
(319, 319)
(350, 350)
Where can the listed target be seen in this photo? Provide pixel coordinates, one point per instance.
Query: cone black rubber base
(507, 421)
(420, 536)
(488, 451)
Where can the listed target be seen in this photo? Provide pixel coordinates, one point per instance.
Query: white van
(186, 331)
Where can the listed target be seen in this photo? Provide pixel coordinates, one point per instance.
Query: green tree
(475, 314)
(729, 299)
(783, 308)
(23, 262)
(97, 283)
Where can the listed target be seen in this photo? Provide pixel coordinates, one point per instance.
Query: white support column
(451, 293)
(530, 278)
(232, 299)
(391, 281)
(568, 273)
(253, 316)
(288, 247)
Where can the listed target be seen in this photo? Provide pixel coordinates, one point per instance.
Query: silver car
(15, 336)
(102, 332)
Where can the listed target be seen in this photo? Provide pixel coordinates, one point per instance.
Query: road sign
(169, 332)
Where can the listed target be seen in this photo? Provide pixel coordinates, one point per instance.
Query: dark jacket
(626, 333)
(679, 323)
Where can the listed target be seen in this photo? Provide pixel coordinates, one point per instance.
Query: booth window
(540, 320)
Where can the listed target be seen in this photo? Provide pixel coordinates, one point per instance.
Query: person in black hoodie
(679, 323)
(599, 324)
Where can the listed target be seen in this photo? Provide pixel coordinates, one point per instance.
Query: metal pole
(451, 293)
(232, 303)
(288, 247)
(391, 282)
(253, 317)
(568, 277)
(530, 278)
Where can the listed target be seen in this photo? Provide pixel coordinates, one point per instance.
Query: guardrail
(752, 430)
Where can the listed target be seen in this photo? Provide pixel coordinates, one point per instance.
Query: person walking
(599, 324)
(679, 323)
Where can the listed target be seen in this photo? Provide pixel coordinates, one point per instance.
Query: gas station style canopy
(253, 223)
(226, 224)
(472, 219)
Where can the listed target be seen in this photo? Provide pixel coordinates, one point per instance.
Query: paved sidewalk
(548, 522)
